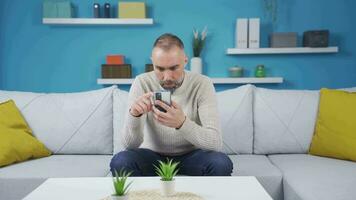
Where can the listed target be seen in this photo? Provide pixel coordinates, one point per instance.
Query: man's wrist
(185, 117)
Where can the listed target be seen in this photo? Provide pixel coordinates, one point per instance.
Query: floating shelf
(96, 21)
(244, 80)
(296, 50)
(118, 81)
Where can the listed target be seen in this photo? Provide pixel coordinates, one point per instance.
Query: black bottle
(96, 10)
(107, 8)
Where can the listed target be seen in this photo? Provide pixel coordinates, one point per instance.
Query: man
(188, 132)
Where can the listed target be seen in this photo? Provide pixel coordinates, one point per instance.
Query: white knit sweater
(201, 128)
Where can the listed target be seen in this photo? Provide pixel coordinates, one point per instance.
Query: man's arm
(208, 135)
(132, 136)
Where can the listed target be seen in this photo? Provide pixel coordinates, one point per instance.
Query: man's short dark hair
(167, 41)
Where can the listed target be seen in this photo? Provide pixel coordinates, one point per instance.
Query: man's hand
(142, 105)
(174, 117)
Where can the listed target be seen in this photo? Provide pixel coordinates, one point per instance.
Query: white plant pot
(196, 65)
(125, 197)
(168, 188)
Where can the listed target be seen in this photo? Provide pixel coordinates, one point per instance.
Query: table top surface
(210, 188)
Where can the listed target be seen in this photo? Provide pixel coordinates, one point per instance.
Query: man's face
(169, 66)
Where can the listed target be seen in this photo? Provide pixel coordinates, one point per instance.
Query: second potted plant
(120, 186)
(167, 171)
(196, 63)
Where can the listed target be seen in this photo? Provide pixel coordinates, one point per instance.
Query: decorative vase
(260, 71)
(196, 65)
(114, 197)
(168, 188)
(236, 71)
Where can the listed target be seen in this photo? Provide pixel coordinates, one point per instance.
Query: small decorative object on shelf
(283, 40)
(236, 71)
(120, 186)
(96, 10)
(115, 67)
(271, 10)
(148, 67)
(196, 63)
(167, 171)
(57, 9)
(132, 10)
(318, 38)
(107, 10)
(260, 71)
(116, 71)
(115, 59)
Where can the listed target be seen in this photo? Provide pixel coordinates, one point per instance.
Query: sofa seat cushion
(27, 176)
(310, 177)
(59, 166)
(259, 166)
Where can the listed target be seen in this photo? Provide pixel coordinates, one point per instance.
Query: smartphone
(164, 96)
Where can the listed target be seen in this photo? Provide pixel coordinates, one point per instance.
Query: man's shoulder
(146, 77)
(198, 79)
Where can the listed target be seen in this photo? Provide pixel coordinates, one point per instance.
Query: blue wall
(42, 58)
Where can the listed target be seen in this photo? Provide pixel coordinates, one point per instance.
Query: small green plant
(199, 41)
(167, 170)
(271, 9)
(119, 182)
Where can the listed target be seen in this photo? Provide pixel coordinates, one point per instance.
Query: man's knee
(123, 160)
(220, 164)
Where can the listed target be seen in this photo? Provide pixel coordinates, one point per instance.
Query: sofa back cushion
(235, 112)
(68, 123)
(120, 107)
(284, 120)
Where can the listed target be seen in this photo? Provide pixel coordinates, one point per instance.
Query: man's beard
(171, 85)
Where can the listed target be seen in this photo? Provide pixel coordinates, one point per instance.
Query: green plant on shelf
(199, 41)
(271, 8)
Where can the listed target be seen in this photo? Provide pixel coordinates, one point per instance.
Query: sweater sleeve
(208, 135)
(132, 136)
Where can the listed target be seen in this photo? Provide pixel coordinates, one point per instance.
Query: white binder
(241, 33)
(254, 33)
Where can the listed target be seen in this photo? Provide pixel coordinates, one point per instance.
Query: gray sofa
(266, 133)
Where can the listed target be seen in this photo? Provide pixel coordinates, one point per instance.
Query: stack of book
(57, 9)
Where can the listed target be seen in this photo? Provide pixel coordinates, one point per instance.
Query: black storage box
(318, 38)
(116, 71)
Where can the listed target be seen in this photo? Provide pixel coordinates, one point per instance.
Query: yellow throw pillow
(335, 132)
(16, 140)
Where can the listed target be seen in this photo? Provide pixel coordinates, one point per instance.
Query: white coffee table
(217, 188)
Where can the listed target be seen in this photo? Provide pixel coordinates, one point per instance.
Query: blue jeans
(196, 163)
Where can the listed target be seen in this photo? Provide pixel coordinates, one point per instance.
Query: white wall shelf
(115, 81)
(244, 80)
(96, 21)
(296, 50)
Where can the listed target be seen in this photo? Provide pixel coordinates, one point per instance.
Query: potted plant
(167, 171)
(120, 186)
(271, 8)
(196, 63)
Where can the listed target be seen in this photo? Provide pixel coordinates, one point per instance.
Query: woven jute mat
(156, 195)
